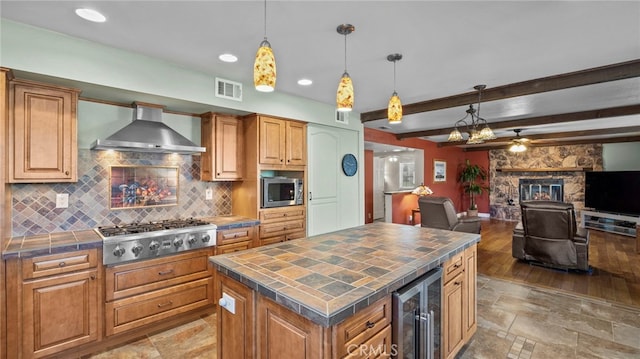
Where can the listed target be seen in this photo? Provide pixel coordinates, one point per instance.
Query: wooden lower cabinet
(285, 334)
(235, 239)
(452, 314)
(142, 293)
(52, 307)
(235, 331)
(459, 317)
(281, 224)
(60, 313)
(262, 328)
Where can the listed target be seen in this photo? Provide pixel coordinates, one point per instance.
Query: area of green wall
(621, 156)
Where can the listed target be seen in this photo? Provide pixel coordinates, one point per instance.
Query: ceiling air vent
(228, 89)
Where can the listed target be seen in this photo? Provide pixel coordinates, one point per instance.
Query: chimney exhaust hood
(147, 133)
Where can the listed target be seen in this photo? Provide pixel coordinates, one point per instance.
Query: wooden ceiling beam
(557, 135)
(560, 143)
(539, 120)
(613, 72)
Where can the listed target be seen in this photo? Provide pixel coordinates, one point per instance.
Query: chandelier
(477, 127)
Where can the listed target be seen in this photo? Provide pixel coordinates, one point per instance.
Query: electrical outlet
(62, 200)
(228, 302)
(208, 194)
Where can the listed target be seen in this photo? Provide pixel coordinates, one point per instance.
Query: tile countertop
(60, 242)
(329, 277)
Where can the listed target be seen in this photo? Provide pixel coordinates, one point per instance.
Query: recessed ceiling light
(228, 58)
(91, 15)
(304, 82)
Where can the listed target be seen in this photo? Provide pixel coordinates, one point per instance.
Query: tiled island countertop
(329, 277)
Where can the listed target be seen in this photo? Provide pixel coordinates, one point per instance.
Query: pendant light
(344, 96)
(394, 110)
(264, 68)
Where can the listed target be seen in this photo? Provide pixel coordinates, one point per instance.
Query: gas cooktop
(139, 241)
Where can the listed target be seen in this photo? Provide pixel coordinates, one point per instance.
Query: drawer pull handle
(457, 265)
(457, 283)
(93, 277)
(160, 305)
(166, 272)
(370, 324)
(62, 264)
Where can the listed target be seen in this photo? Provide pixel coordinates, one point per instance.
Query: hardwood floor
(616, 265)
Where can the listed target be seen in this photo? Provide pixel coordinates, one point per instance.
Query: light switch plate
(208, 194)
(62, 200)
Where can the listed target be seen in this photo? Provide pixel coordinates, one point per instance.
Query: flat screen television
(613, 191)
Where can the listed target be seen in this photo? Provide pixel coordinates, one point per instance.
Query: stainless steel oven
(416, 317)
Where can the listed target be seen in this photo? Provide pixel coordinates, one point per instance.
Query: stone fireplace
(554, 172)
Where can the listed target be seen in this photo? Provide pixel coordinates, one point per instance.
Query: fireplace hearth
(543, 189)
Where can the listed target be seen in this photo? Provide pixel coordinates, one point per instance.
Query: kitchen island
(306, 298)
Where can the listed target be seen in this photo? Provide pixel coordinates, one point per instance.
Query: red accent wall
(368, 186)
(454, 157)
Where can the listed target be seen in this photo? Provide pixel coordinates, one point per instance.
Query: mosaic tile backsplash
(33, 205)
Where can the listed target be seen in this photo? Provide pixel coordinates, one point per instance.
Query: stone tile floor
(514, 321)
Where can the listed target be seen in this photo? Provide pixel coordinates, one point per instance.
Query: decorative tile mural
(33, 205)
(143, 186)
(504, 191)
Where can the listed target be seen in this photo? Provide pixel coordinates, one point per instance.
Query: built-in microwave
(281, 191)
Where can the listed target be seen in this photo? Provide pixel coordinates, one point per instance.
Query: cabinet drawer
(282, 214)
(42, 266)
(126, 314)
(281, 228)
(233, 247)
(235, 235)
(379, 346)
(134, 278)
(362, 326)
(263, 241)
(453, 267)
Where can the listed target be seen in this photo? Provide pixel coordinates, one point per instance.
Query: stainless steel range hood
(147, 133)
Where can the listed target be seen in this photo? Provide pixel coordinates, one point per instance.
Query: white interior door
(334, 199)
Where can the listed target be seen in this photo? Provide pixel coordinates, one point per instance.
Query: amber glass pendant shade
(344, 96)
(264, 68)
(394, 111)
(455, 135)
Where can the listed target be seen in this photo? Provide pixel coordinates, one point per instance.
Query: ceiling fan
(518, 143)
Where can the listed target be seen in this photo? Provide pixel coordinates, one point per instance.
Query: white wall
(621, 156)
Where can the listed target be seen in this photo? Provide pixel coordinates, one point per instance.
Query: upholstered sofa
(548, 235)
(439, 212)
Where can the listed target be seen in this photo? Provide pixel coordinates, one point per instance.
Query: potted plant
(472, 177)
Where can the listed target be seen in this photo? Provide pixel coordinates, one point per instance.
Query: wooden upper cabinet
(42, 133)
(223, 137)
(283, 143)
(296, 144)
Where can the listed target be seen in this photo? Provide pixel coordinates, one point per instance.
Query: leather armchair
(548, 235)
(439, 212)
